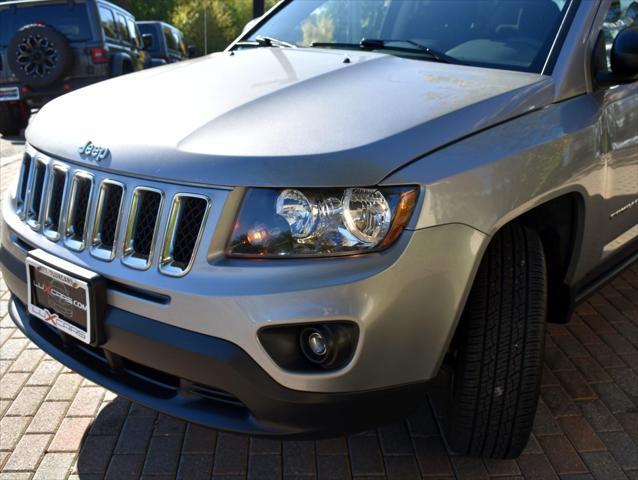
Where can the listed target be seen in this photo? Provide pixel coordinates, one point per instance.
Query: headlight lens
(300, 213)
(320, 222)
(366, 214)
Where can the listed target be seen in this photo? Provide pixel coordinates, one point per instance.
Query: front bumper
(203, 379)
(198, 356)
(405, 301)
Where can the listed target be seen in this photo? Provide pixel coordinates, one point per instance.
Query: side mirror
(624, 59)
(192, 51)
(147, 40)
(624, 52)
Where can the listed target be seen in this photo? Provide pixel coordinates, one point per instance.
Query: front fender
(497, 175)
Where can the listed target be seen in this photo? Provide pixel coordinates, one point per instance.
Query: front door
(620, 141)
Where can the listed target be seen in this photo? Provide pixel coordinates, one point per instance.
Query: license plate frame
(65, 296)
(9, 94)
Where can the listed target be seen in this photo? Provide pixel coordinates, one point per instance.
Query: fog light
(311, 347)
(317, 344)
(327, 345)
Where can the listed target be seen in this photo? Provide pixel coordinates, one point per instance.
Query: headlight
(320, 222)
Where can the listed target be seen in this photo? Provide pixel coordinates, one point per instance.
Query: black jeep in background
(49, 47)
(165, 42)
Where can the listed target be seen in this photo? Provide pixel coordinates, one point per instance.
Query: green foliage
(352, 20)
(225, 19)
(145, 10)
(321, 28)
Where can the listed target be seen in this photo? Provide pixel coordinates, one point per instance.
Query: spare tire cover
(39, 55)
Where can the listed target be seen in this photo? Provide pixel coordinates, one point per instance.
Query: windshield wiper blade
(379, 44)
(273, 42)
(261, 41)
(437, 55)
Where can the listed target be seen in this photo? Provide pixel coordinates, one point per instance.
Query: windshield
(508, 34)
(70, 19)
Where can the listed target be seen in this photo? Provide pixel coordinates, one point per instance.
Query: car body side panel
(495, 176)
(620, 144)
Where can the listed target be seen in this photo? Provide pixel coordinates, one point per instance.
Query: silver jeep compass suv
(294, 236)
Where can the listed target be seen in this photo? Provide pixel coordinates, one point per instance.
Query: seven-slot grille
(86, 213)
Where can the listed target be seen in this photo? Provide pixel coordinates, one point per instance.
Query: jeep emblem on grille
(93, 152)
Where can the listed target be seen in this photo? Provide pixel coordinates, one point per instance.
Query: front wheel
(499, 349)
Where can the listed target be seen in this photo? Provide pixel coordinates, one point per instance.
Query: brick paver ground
(54, 424)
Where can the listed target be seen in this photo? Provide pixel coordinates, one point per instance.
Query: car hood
(282, 117)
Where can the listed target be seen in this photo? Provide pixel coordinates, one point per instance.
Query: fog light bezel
(287, 345)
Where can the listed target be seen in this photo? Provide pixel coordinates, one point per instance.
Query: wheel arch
(558, 220)
(121, 64)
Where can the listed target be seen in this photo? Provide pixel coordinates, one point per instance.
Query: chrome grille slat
(183, 233)
(37, 193)
(23, 184)
(78, 211)
(142, 227)
(57, 200)
(54, 204)
(107, 219)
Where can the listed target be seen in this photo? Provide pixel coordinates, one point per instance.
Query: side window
(176, 39)
(108, 22)
(621, 14)
(122, 28)
(133, 34)
(632, 12)
(171, 44)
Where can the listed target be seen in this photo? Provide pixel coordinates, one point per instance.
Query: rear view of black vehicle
(50, 47)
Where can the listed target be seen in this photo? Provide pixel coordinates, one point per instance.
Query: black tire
(12, 120)
(500, 349)
(39, 55)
